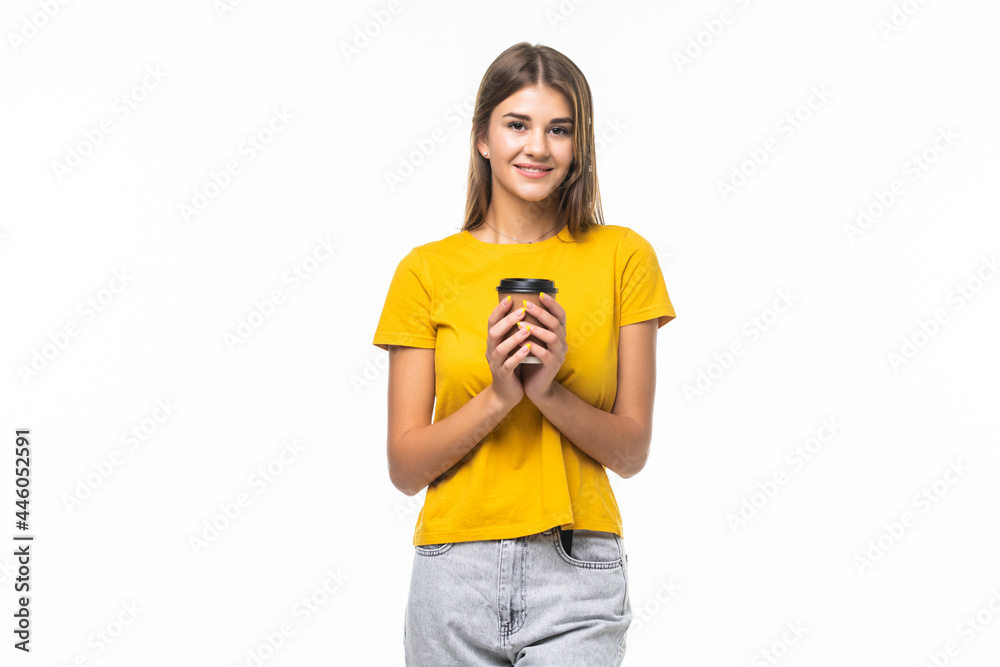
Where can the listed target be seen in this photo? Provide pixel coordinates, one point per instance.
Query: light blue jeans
(520, 601)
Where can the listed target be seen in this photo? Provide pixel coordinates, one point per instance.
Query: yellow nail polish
(524, 302)
(522, 311)
(541, 295)
(529, 346)
(506, 300)
(520, 324)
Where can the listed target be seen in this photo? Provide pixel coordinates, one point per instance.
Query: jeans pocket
(433, 549)
(592, 549)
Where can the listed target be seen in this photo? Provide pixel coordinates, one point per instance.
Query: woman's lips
(532, 174)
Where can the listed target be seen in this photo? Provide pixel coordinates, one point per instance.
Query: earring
(486, 154)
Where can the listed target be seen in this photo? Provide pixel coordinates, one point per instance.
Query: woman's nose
(536, 143)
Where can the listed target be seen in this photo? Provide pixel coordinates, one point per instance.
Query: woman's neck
(489, 232)
(530, 222)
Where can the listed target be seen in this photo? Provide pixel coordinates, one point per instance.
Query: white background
(831, 549)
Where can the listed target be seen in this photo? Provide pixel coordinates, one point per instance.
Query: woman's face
(532, 127)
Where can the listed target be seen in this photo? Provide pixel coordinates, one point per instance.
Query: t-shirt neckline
(563, 236)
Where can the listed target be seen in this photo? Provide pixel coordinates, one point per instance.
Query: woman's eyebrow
(521, 116)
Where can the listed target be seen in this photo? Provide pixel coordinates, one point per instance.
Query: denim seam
(621, 550)
(625, 597)
(618, 648)
(433, 552)
(519, 617)
(500, 621)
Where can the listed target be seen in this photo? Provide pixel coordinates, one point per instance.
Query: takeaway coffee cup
(525, 289)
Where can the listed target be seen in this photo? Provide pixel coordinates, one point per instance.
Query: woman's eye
(562, 130)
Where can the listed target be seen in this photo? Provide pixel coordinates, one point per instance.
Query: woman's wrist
(496, 402)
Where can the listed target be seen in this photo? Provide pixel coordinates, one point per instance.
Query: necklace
(511, 237)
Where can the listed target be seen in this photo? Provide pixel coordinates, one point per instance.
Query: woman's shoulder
(448, 245)
(612, 235)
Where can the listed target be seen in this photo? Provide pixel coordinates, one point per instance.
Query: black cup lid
(528, 285)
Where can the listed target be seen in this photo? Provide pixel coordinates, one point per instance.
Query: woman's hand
(537, 379)
(506, 383)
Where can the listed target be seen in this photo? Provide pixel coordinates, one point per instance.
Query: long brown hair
(522, 66)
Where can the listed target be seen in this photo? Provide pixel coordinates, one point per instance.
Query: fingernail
(506, 300)
(522, 311)
(526, 304)
(541, 295)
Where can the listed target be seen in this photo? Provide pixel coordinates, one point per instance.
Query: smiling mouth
(532, 170)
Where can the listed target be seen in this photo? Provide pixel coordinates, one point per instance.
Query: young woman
(519, 554)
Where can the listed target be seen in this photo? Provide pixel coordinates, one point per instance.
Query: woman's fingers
(497, 313)
(551, 314)
(500, 328)
(499, 324)
(515, 358)
(516, 338)
(543, 334)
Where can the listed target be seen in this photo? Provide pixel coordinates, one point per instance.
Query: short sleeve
(405, 318)
(644, 293)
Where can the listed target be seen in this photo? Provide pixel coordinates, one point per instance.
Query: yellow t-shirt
(525, 476)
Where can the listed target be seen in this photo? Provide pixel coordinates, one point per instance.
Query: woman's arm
(618, 440)
(419, 451)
